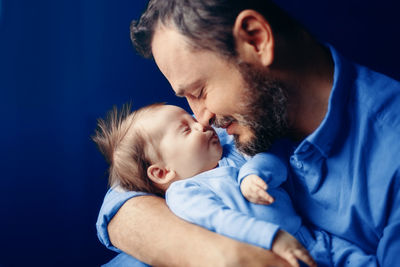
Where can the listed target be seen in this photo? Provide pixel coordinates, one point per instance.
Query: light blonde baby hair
(124, 146)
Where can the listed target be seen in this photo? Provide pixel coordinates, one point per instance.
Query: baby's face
(186, 146)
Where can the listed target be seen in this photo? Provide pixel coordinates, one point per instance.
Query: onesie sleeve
(200, 205)
(268, 166)
(113, 201)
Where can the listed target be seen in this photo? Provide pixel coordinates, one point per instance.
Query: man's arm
(145, 228)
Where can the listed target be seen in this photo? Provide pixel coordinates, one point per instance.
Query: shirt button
(299, 165)
(305, 148)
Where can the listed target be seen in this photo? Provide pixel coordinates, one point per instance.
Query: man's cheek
(246, 136)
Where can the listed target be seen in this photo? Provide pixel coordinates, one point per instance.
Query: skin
(213, 87)
(200, 83)
(254, 189)
(187, 148)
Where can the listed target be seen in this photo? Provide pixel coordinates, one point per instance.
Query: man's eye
(186, 129)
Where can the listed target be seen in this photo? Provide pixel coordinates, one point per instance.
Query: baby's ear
(160, 175)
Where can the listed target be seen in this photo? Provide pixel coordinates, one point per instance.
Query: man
(248, 67)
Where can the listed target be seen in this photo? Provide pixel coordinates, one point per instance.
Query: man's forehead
(167, 46)
(176, 60)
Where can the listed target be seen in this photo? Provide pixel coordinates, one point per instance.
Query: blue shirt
(213, 200)
(344, 177)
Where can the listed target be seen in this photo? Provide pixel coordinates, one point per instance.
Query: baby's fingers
(259, 182)
(291, 259)
(264, 197)
(305, 257)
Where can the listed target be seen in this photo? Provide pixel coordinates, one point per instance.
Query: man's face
(222, 91)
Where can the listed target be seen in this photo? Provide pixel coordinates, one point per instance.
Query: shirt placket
(306, 163)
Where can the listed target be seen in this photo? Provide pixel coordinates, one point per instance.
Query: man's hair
(124, 146)
(207, 24)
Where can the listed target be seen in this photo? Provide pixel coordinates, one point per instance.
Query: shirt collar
(324, 136)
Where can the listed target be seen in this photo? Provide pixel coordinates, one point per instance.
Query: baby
(161, 149)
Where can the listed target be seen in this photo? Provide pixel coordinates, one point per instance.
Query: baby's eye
(186, 129)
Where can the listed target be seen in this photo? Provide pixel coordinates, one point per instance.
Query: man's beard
(266, 111)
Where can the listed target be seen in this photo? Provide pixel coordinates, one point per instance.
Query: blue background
(65, 63)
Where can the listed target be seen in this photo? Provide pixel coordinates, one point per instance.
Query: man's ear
(254, 38)
(160, 175)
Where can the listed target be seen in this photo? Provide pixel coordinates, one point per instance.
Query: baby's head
(154, 146)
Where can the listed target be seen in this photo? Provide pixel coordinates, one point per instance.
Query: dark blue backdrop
(65, 63)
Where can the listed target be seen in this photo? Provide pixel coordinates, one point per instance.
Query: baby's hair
(124, 146)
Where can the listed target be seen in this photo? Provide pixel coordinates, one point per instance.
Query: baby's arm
(199, 205)
(260, 172)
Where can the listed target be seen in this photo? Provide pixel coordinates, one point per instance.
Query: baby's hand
(287, 247)
(254, 189)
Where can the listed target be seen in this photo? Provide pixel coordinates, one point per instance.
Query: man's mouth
(227, 123)
(230, 128)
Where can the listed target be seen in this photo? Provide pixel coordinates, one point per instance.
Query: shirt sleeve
(113, 201)
(267, 166)
(199, 205)
(388, 250)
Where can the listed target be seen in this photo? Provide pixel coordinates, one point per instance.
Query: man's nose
(202, 114)
(206, 118)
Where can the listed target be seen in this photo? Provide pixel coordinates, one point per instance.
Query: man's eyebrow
(183, 88)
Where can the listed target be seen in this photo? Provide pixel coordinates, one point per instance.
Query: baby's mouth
(213, 136)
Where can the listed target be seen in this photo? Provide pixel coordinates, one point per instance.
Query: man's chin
(245, 145)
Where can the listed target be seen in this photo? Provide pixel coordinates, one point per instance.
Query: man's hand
(286, 246)
(254, 189)
(145, 228)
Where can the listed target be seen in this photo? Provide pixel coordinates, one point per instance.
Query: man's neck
(307, 70)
